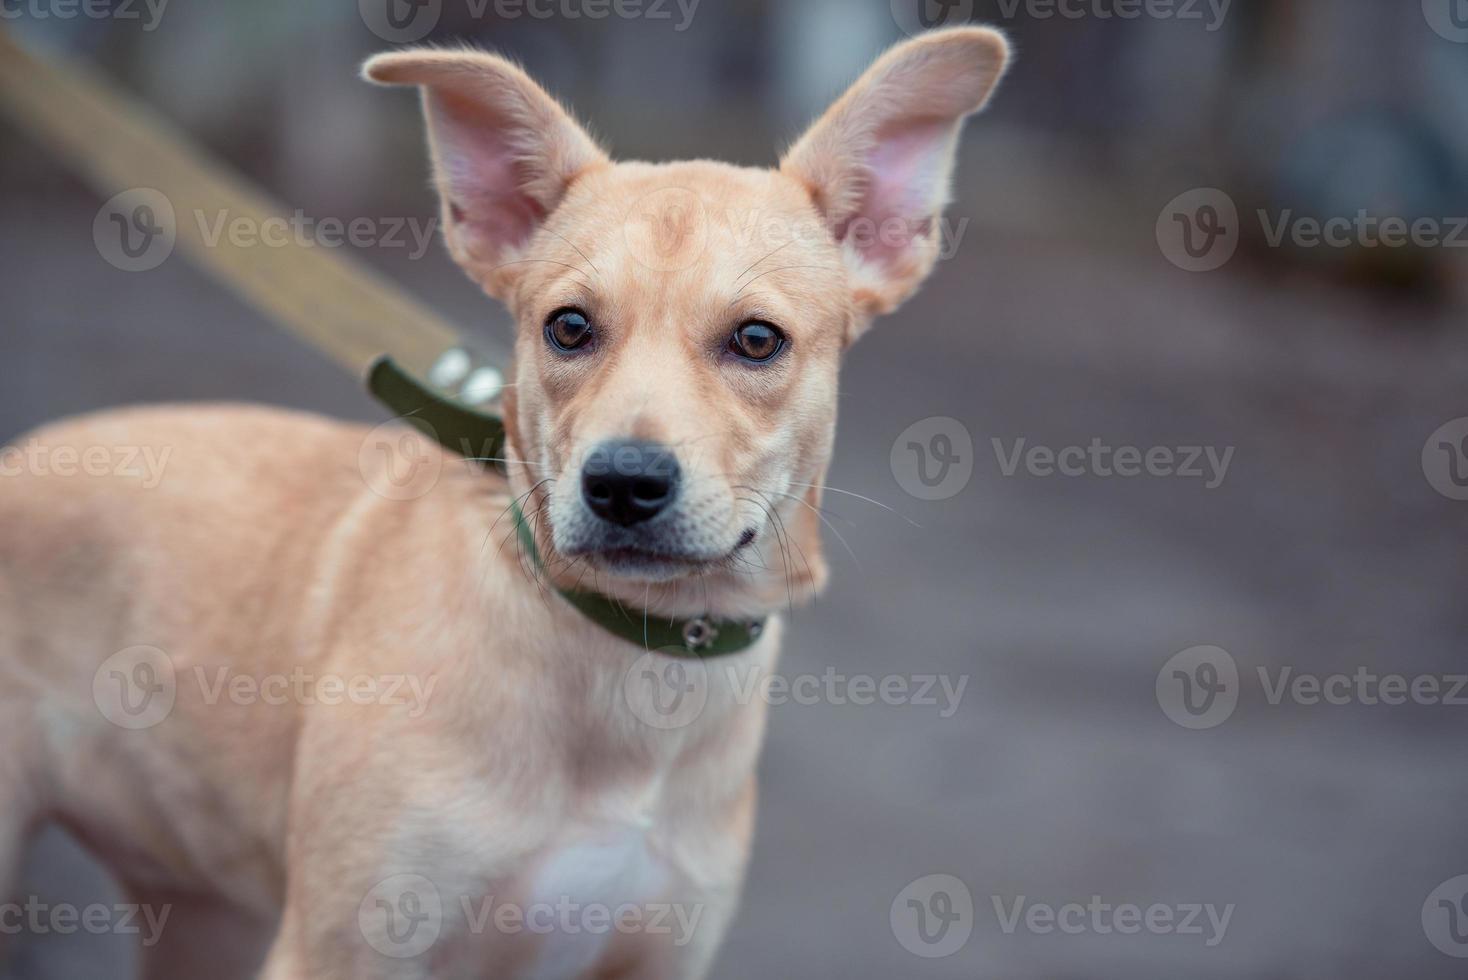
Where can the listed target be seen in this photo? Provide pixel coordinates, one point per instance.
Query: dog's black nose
(629, 481)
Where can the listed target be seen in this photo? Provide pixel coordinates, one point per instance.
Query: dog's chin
(632, 564)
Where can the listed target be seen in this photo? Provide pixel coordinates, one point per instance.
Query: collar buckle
(699, 634)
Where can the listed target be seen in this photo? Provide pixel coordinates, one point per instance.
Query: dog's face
(680, 326)
(676, 369)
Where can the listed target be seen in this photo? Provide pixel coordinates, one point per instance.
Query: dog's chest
(593, 880)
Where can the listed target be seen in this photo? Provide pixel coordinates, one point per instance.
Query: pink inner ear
(903, 194)
(480, 178)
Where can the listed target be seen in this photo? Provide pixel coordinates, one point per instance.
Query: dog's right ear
(504, 151)
(878, 163)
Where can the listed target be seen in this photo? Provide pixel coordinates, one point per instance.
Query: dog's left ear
(878, 163)
(504, 151)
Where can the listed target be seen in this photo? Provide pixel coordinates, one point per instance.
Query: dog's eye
(567, 330)
(757, 341)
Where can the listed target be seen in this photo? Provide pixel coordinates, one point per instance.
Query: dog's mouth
(659, 562)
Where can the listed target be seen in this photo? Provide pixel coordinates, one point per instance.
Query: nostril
(599, 491)
(650, 490)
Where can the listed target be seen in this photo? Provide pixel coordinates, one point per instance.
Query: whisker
(761, 261)
(849, 493)
(783, 268)
(816, 511)
(578, 252)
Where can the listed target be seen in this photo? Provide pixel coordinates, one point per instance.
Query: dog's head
(680, 325)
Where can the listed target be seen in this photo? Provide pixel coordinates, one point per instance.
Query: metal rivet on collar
(482, 386)
(699, 634)
(450, 370)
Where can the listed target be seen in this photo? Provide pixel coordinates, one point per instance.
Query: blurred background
(1132, 263)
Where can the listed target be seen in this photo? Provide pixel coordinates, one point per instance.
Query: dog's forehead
(694, 221)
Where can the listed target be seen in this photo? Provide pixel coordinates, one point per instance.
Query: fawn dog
(686, 318)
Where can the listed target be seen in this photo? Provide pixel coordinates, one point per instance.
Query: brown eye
(757, 341)
(567, 330)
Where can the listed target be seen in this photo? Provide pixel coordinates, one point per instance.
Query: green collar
(481, 436)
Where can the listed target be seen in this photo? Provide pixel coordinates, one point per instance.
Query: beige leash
(321, 295)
